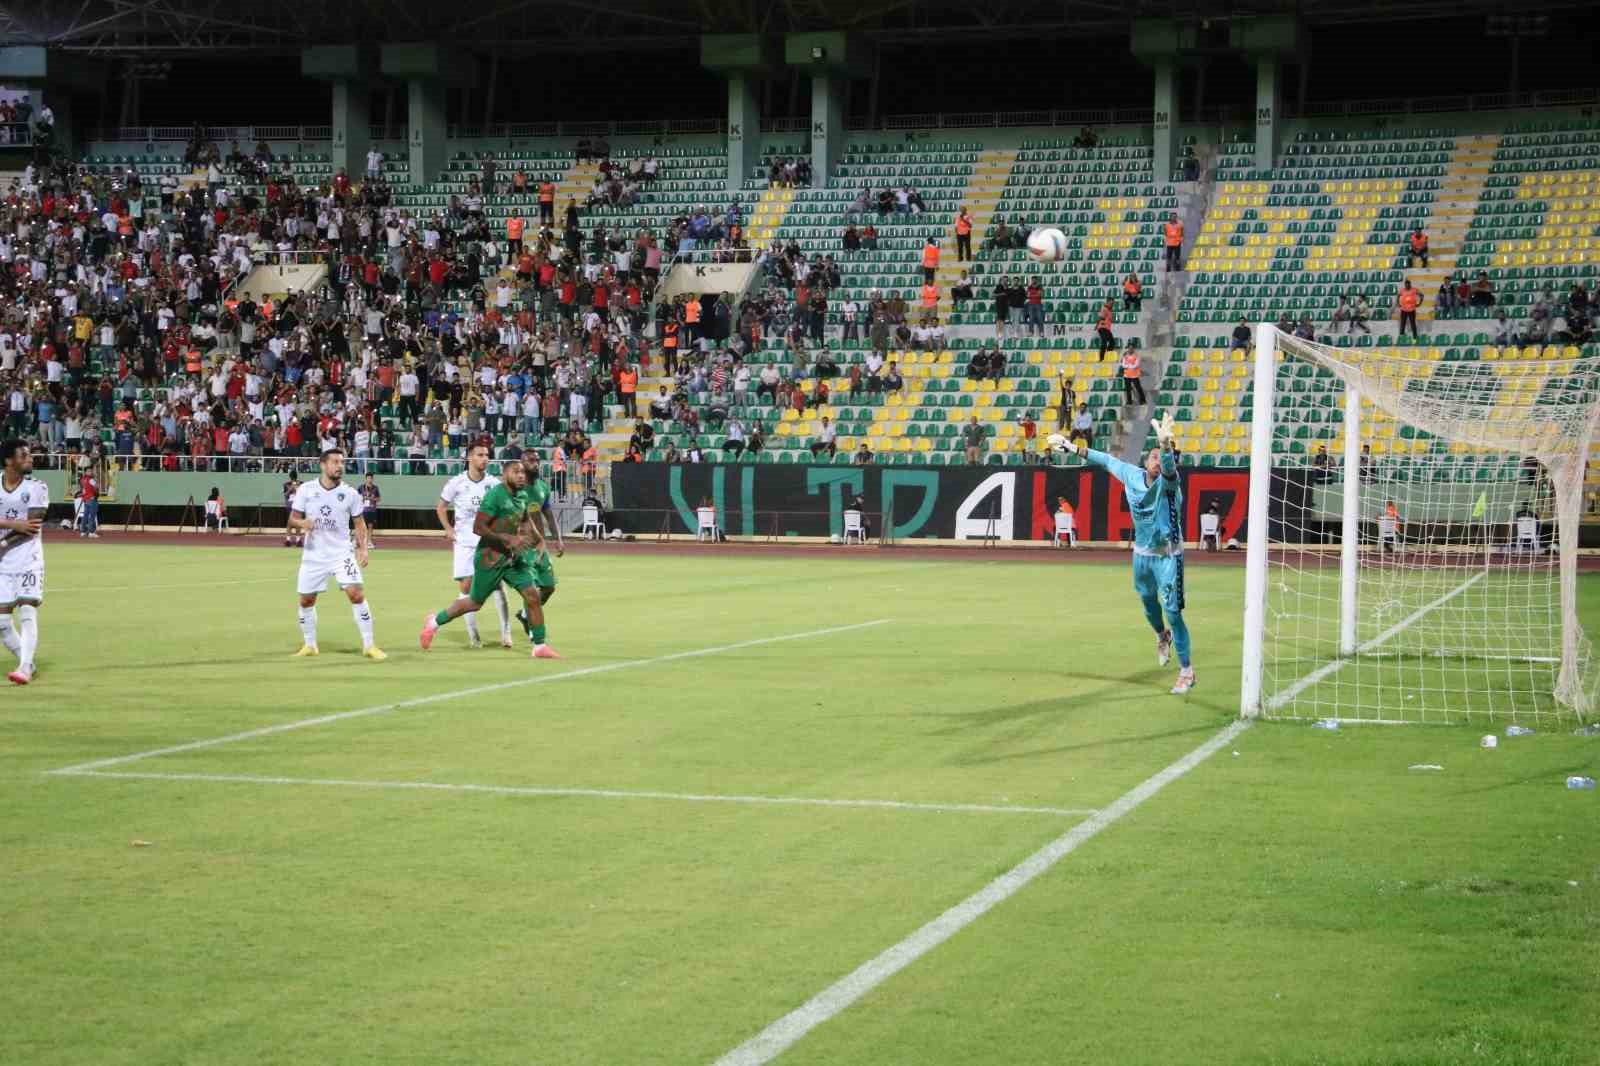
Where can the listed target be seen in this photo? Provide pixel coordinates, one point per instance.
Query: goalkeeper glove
(1165, 429)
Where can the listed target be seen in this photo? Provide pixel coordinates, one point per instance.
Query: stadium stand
(431, 258)
(1513, 236)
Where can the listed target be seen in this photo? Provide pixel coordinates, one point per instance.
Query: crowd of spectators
(122, 320)
(19, 124)
(903, 200)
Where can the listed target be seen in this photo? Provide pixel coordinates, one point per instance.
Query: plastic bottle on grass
(1518, 731)
(1330, 724)
(1592, 730)
(1577, 784)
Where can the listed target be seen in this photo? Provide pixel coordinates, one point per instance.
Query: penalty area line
(588, 793)
(440, 697)
(782, 1034)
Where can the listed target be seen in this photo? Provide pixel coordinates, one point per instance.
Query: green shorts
(485, 579)
(519, 575)
(544, 571)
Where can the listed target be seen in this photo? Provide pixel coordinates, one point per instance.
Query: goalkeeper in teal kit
(1155, 499)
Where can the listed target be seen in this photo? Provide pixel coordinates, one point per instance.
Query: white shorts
(27, 585)
(314, 575)
(462, 564)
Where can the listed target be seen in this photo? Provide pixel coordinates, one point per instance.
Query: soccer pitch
(749, 778)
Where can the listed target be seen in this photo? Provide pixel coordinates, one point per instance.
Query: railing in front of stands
(1105, 116)
(704, 256)
(277, 257)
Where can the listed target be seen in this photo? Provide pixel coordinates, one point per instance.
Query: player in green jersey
(510, 547)
(544, 519)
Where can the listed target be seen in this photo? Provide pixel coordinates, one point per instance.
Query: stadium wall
(960, 503)
(239, 490)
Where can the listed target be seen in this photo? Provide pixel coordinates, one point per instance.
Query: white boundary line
(439, 697)
(783, 1033)
(1387, 635)
(590, 793)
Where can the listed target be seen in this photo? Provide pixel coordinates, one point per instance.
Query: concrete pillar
(827, 124)
(352, 128)
(1268, 107)
(429, 71)
(426, 128)
(744, 129)
(746, 60)
(1164, 118)
(1270, 41)
(830, 60)
(349, 71)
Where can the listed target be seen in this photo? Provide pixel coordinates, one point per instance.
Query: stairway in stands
(577, 184)
(1452, 214)
(772, 207)
(982, 195)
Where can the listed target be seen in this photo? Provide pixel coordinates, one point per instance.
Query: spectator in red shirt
(89, 497)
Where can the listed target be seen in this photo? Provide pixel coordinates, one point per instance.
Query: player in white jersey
(462, 494)
(23, 503)
(324, 510)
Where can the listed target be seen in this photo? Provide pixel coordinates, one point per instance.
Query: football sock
(308, 626)
(471, 618)
(363, 613)
(536, 633)
(504, 608)
(441, 618)
(8, 636)
(28, 625)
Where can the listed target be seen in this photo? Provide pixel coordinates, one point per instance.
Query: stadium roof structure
(190, 27)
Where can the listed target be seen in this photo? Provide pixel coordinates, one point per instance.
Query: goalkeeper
(1155, 499)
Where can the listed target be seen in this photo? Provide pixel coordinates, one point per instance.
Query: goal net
(1421, 507)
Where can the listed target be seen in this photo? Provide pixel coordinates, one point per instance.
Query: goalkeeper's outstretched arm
(1118, 469)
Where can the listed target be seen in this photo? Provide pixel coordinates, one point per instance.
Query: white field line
(440, 697)
(590, 793)
(1387, 635)
(783, 1033)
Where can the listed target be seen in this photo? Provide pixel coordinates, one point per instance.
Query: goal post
(1413, 532)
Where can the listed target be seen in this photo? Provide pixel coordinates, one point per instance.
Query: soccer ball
(1047, 245)
(1057, 442)
(836, 539)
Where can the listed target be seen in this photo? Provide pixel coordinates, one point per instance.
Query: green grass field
(612, 892)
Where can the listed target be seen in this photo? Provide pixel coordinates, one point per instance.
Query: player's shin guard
(8, 636)
(1180, 636)
(363, 613)
(504, 608)
(308, 626)
(27, 617)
